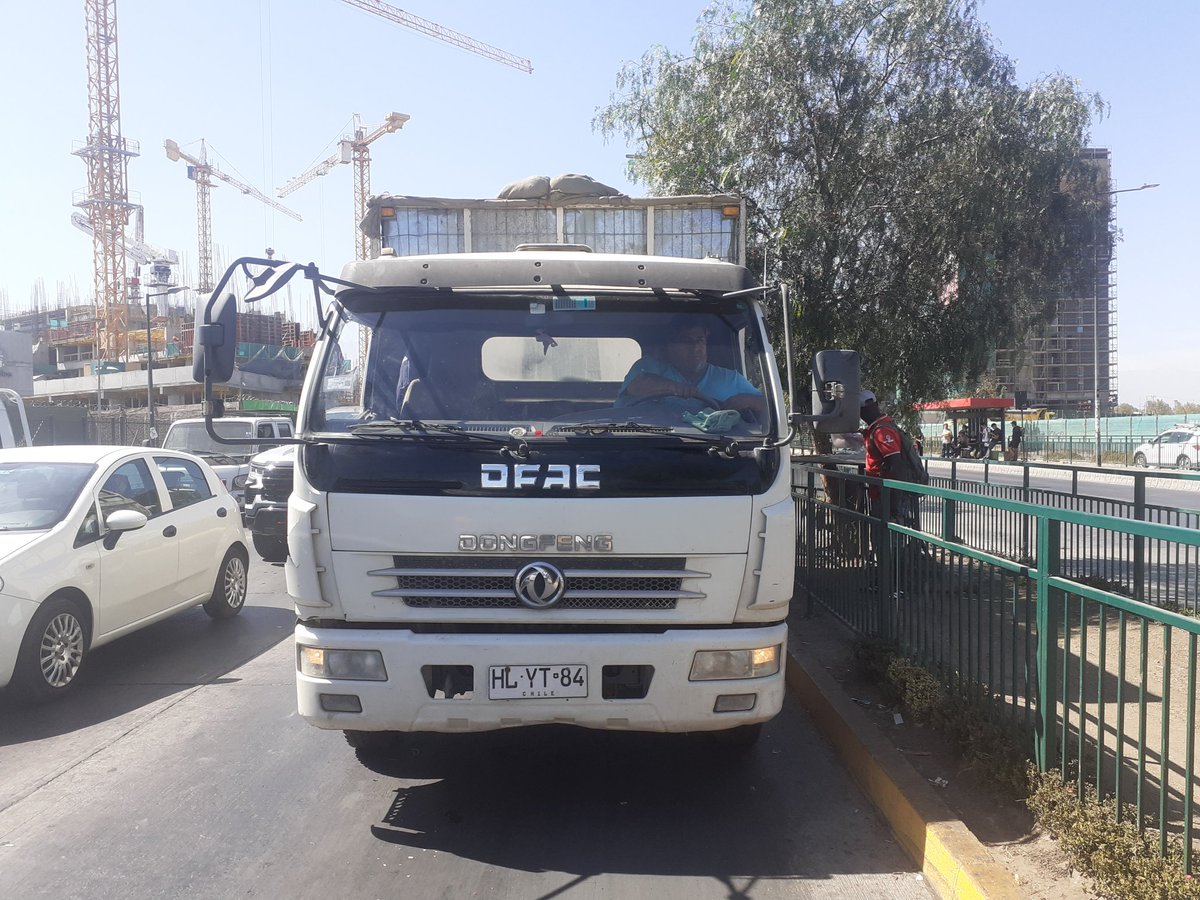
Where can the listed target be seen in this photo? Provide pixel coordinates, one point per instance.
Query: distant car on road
(1178, 446)
(97, 542)
(264, 504)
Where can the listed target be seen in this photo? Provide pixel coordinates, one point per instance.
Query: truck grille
(473, 582)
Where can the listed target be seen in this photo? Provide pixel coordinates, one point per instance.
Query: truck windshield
(537, 366)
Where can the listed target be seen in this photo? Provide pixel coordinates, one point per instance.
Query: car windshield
(34, 496)
(193, 437)
(538, 366)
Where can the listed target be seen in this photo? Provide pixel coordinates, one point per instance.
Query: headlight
(717, 665)
(352, 665)
(239, 481)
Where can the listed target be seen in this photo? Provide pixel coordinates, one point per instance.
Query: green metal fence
(1097, 676)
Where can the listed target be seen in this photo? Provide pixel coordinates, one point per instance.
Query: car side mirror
(120, 521)
(215, 348)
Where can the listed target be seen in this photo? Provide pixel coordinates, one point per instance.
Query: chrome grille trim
(597, 583)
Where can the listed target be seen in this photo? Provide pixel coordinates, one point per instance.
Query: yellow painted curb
(951, 858)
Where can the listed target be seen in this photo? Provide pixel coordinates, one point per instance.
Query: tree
(1126, 409)
(1156, 406)
(923, 206)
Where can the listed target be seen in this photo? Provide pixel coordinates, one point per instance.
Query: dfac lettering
(500, 476)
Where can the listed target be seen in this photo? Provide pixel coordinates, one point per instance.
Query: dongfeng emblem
(539, 585)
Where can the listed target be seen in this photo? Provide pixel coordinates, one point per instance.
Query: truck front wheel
(374, 743)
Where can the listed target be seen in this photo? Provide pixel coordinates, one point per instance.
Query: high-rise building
(1061, 363)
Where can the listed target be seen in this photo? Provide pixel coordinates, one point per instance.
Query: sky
(271, 85)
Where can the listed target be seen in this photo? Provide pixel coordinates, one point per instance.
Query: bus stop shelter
(973, 412)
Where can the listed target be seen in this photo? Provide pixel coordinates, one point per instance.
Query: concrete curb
(951, 858)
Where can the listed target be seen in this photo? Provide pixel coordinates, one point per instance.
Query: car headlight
(239, 481)
(351, 665)
(717, 665)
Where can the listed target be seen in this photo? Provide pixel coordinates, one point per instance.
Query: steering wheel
(664, 393)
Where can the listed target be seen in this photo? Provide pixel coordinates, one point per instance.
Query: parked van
(230, 461)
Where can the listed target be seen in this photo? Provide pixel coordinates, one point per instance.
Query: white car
(96, 542)
(1178, 447)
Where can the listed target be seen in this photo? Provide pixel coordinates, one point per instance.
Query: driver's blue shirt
(716, 383)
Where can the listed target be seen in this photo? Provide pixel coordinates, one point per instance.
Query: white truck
(493, 521)
(14, 425)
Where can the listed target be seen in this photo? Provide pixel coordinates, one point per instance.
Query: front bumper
(267, 518)
(15, 616)
(672, 703)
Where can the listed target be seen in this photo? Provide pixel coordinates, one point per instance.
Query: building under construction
(1067, 362)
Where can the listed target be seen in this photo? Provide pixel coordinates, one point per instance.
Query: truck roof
(540, 268)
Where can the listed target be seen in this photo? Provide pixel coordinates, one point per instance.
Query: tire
(229, 592)
(1139, 460)
(374, 743)
(1184, 462)
(52, 652)
(272, 549)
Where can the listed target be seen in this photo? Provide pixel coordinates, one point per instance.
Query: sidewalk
(969, 839)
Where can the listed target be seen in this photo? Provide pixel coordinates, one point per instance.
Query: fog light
(341, 703)
(352, 665)
(735, 702)
(715, 665)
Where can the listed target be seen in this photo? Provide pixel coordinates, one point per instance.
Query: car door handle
(169, 531)
(221, 512)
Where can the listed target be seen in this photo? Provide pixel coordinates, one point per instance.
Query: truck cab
(230, 462)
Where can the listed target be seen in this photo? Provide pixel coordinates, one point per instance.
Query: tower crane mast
(202, 172)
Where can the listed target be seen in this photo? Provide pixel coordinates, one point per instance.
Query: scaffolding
(1067, 362)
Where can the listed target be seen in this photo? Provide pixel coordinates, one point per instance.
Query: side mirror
(836, 381)
(215, 347)
(126, 520)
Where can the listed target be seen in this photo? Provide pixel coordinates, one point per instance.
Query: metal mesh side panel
(415, 231)
(606, 230)
(695, 234)
(501, 230)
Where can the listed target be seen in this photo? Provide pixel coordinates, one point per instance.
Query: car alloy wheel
(1184, 462)
(229, 591)
(61, 651)
(1139, 460)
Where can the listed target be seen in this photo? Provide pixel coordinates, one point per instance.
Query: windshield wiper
(215, 453)
(414, 428)
(608, 427)
(725, 446)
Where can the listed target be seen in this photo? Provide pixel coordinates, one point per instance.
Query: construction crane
(353, 149)
(202, 172)
(433, 30)
(106, 198)
(137, 251)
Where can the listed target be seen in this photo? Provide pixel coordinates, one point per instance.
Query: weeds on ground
(1124, 863)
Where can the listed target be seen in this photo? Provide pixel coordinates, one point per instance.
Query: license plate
(536, 682)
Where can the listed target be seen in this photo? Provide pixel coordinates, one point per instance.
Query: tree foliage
(923, 206)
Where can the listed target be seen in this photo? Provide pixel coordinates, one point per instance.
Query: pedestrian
(1014, 443)
(947, 440)
(889, 454)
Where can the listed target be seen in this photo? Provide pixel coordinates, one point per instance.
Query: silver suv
(1178, 447)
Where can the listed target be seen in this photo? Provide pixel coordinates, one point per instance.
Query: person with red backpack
(890, 454)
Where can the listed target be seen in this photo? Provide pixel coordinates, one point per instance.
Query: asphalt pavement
(180, 769)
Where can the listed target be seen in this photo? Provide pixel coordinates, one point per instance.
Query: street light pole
(1096, 327)
(150, 436)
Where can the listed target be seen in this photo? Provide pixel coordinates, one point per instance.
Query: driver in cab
(684, 373)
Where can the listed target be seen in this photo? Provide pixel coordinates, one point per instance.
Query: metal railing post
(810, 538)
(1139, 542)
(1046, 723)
(1025, 519)
(884, 555)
